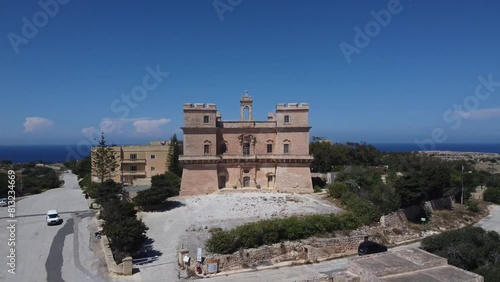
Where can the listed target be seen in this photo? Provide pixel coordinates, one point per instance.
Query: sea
(62, 153)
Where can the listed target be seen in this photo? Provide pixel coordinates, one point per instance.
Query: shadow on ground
(167, 206)
(147, 254)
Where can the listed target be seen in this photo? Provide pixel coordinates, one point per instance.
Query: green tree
(174, 151)
(126, 236)
(409, 188)
(163, 186)
(36, 179)
(166, 180)
(83, 167)
(104, 160)
(108, 191)
(151, 197)
(116, 210)
(385, 197)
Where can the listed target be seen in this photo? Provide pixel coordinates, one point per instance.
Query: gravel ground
(188, 224)
(230, 210)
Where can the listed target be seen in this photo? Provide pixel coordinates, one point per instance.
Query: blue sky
(415, 80)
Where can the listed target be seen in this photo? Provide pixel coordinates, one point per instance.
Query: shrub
(168, 180)
(347, 221)
(492, 194)
(266, 232)
(473, 206)
(222, 242)
(336, 190)
(365, 211)
(468, 248)
(151, 197)
(491, 272)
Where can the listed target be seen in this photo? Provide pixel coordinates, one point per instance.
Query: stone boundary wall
(401, 217)
(124, 268)
(308, 250)
(394, 220)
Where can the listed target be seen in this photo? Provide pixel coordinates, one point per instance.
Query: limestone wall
(294, 178)
(310, 250)
(199, 179)
(124, 268)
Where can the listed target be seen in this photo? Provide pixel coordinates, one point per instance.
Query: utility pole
(462, 178)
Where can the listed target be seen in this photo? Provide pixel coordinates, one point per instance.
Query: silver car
(3, 202)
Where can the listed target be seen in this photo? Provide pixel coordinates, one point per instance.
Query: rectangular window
(246, 149)
(206, 119)
(133, 156)
(133, 168)
(286, 148)
(206, 149)
(269, 178)
(153, 157)
(269, 148)
(287, 119)
(152, 168)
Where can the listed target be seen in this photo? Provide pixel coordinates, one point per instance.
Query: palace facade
(271, 154)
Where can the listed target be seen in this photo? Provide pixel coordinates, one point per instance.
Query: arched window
(286, 146)
(246, 114)
(269, 146)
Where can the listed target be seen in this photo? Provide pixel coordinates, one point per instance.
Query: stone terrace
(404, 265)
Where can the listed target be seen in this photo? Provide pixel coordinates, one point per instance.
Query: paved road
(52, 253)
(492, 221)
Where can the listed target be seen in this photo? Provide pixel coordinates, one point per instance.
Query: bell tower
(246, 105)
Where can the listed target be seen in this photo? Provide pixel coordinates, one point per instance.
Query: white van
(53, 217)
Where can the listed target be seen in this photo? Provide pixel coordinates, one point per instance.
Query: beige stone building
(137, 164)
(271, 154)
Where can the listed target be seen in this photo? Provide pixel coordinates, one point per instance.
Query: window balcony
(233, 158)
(133, 161)
(136, 172)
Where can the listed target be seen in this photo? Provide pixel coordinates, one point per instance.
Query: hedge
(492, 194)
(271, 231)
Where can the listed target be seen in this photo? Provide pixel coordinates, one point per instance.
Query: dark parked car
(369, 247)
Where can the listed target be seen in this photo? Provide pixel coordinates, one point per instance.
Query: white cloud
(150, 125)
(116, 125)
(127, 126)
(481, 114)
(89, 130)
(36, 123)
